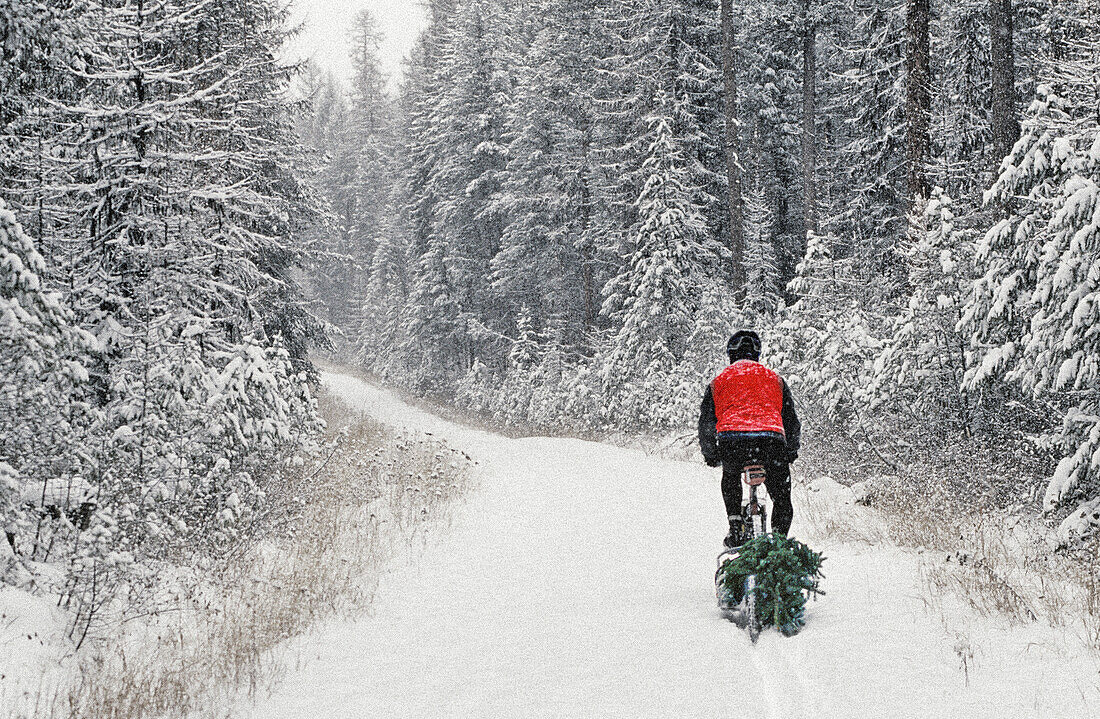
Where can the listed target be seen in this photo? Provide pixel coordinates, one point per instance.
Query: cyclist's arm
(792, 427)
(708, 428)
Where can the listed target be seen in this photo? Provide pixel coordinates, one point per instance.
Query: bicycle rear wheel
(752, 616)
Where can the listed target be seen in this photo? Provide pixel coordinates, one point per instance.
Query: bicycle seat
(754, 475)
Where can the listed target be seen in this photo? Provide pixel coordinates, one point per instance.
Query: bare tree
(918, 97)
(1005, 125)
(733, 145)
(809, 118)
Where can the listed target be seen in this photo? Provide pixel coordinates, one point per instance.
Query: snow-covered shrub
(194, 428)
(371, 493)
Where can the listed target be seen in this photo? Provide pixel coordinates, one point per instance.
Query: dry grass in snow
(999, 565)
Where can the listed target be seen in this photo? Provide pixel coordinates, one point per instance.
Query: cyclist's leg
(732, 485)
(779, 489)
(732, 464)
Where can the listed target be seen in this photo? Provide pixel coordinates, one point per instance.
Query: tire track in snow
(765, 678)
(792, 686)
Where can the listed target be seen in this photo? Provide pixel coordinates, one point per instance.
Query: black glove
(713, 461)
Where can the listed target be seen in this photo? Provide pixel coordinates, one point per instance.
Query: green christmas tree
(787, 574)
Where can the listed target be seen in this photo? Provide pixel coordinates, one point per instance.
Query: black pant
(737, 452)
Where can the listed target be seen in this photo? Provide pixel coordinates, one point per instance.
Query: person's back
(748, 398)
(748, 416)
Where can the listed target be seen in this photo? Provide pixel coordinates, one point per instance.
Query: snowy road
(578, 582)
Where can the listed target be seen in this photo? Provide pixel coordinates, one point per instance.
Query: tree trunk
(918, 99)
(733, 147)
(809, 120)
(1005, 126)
(588, 255)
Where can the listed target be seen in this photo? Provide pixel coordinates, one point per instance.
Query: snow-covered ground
(578, 582)
(33, 647)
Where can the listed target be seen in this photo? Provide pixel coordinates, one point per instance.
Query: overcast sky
(324, 36)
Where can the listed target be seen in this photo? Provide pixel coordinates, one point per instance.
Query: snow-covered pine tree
(512, 400)
(43, 42)
(718, 314)
(524, 355)
(1034, 310)
(657, 292)
(696, 46)
(475, 94)
(437, 334)
(661, 191)
(377, 289)
(962, 115)
(761, 295)
(371, 135)
(326, 128)
(421, 147)
(825, 345)
(770, 122)
(548, 254)
(867, 169)
(920, 371)
(42, 418)
(384, 327)
(548, 400)
(277, 203)
(458, 152)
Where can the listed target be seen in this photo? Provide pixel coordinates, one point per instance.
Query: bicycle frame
(752, 478)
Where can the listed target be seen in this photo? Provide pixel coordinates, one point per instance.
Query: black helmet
(744, 344)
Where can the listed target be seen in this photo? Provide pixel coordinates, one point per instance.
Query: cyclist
(748, 417)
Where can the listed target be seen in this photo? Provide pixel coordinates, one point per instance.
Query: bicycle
(744, 612)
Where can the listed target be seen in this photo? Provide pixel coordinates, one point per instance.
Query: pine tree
(786, 573)
(42, 418)
(174, 217)
(459, 153)
(920, 371)
(770, 118)
(548, 254)
(1033, 308)
(327, 129)
(918, 99)
(370, 135)
(962, 104)
(434, 318)
(825, 344)
(385, 305)
(43, 43)
(524, 355)
(869, 162)
(656, 293)
(761, 271)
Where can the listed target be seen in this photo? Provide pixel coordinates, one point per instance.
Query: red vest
(748, 397)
